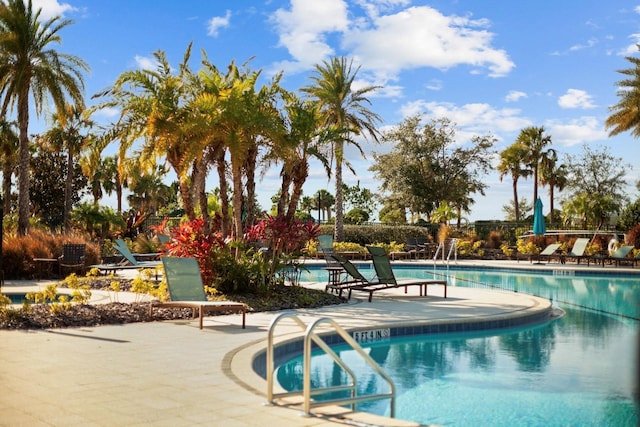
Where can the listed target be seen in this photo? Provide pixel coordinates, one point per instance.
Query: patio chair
(187, 291)
(620, 256)
(335, 270)
(386, 278)
(72, 258)
(128, 262)
(357, 279)
(121, 246)
(129, 257)
(577, 252)
(547, 252)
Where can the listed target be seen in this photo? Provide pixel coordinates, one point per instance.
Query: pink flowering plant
(285, 241)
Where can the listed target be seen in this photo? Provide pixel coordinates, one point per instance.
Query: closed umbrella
(539, 227)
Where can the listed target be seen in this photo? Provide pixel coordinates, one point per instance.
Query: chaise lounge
(187, 291)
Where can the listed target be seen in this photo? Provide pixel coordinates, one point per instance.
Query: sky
(491, 66)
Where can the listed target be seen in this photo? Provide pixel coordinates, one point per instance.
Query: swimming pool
(577, 370)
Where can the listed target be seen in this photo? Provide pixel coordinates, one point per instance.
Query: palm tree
(154, 107)
(303, 140)
(535, 140)
(626, 113)
(553, 175)
(9, 143)
(67, 136)
(512, 163)
(343, 109)
(29, 65)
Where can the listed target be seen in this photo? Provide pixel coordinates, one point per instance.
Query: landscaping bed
(43, 316)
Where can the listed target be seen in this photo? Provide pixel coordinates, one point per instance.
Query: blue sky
(490, 66)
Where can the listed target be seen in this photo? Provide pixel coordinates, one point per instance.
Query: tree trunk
(6, 186)
(515, 200)
(250, 173)
(25, 157)
(221, 167)
(300, 173)
(339, 225)
(551, 219)
(68, 188)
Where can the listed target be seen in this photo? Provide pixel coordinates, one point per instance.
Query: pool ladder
(309, 337)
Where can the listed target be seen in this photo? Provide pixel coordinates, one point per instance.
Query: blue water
(579, 370)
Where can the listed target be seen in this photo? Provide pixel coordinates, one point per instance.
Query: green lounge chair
(620, 256)
(335, 270)
(385, 279)
(357, 279)
(186, 290)
(577, 252)
(128, 262)
(121, 246)
(548, 252)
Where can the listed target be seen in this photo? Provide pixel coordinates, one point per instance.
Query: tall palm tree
(9, 143)
(304, 139)
(29, 65)
(344, 110)
(154, 107)
(67, 136)
(553, 175)
(626, 113)
(535, 140)
(511, 163)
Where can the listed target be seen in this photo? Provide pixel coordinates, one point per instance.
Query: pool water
(578, 370)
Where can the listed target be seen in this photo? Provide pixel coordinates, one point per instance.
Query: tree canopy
(425, 167)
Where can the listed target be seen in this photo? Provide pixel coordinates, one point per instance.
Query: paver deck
(172, 373)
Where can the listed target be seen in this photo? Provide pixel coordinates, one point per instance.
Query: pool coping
(243, 364)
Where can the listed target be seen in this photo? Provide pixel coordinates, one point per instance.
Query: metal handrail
(307, 392)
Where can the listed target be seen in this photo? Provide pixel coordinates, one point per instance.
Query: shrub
(494, 240)
(633, 236)
(19, 251)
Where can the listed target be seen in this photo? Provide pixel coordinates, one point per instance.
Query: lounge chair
(121, 246)
(73, 257)
(335, 270)
(385, 276)
(186, 290)
(577, 252)
(357, 279)
(548, 252)
(620, 256)
(128, 262)
(385, 279)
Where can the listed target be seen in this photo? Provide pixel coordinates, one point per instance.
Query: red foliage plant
(190, 240)
(282, 236)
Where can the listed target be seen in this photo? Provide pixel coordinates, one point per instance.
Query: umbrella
(539, 227)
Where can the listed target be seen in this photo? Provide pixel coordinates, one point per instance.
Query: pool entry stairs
(310, 336)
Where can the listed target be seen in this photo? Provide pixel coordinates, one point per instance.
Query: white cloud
(575, 98)
(590, 43)
(386, 44)
(471, 119)
(434, 84)
(423, 37)
(51, 8)
(218, 22)
(302, 30)
(145, 62)
(633, 47)
(515, 95)
(576, 131)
